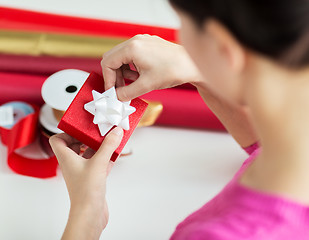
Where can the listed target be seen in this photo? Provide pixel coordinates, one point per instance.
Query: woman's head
(226, 30)
(278, 29)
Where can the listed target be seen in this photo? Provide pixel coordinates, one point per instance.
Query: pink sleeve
(252, 148)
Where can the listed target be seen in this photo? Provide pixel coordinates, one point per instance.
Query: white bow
(108, 111)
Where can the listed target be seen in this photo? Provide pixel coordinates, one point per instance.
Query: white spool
(59, 90)
(48, 120)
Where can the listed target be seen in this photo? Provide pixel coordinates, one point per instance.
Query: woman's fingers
(62, 144)
(133, 90)
(109, 145)
(123, 54)
(114, 60)
(110, 76)
(153, 59)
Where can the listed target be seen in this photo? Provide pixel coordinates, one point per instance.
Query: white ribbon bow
(108, 111)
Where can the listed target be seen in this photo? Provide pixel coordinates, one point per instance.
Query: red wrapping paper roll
(46, 65)
(21, 87)
(17, 19)
(182, 108)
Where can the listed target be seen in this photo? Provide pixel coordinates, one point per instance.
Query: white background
(171, 173)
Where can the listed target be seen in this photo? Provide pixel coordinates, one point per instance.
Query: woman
(251, 66)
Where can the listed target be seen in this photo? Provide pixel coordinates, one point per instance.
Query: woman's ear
(227, 45)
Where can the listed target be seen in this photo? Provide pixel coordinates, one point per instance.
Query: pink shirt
(238, 212)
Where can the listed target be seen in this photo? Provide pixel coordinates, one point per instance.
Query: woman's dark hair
(278, 29)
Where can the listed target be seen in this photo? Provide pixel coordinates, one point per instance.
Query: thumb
(109, 145)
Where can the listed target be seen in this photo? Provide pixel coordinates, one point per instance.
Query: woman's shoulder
(241, 213)
(238, 212)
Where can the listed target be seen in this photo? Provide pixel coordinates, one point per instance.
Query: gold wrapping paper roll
(151, 114)
(60, 45)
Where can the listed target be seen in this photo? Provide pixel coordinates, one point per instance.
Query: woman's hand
(85, 177)
(159, 64)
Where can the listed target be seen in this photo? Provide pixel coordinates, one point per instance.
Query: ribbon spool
(58, 91)
(48, 127)
(22, 135)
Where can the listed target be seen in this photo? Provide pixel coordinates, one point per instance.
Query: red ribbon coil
(22, 134)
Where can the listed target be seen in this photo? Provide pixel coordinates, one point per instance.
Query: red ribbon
(22, 134)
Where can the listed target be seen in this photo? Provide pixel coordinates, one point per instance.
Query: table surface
(171, 173)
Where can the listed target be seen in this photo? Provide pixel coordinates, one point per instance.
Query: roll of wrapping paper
(20, 135)
(25, 20)
(47, 65)
(39, 34)
(60, 35)
(151, 115)
(40, 44)
(182, 108)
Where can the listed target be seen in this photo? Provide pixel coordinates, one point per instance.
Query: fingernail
(118, 131)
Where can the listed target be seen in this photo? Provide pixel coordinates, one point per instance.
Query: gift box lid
(78, 123)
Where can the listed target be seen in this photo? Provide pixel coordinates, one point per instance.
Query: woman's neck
(279, 102)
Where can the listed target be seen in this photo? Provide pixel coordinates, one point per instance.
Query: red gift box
(78, 123)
